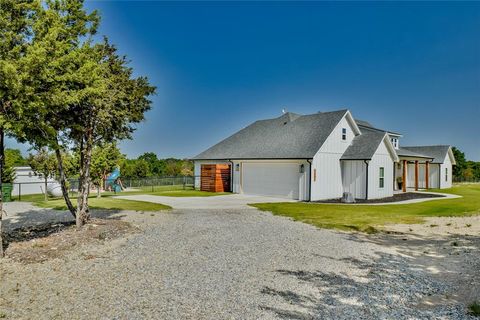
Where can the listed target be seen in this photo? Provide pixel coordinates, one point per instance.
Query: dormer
(395, 139)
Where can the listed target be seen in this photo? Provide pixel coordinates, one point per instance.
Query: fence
(463, 180)
(151, 184)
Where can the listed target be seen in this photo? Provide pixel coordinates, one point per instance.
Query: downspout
(310, 181)
(231, 175)
(366, 180)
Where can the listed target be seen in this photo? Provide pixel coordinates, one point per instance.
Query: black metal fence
(150, 184)
(463, 180)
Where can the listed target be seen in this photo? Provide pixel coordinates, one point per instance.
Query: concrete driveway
(233, 201)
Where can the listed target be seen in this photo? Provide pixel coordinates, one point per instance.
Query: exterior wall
(353, 178)
(328, 182)
(446, 180)
(30, 182)
(434, 173)
(239, 167)
(381, 158)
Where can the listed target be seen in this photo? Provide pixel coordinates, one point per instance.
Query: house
(28, 182)
(320, 156)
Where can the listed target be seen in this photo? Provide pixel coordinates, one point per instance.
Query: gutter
(366, 180)
(310, 180)
(231, 175)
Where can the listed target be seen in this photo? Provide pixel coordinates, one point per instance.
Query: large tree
(15, 31)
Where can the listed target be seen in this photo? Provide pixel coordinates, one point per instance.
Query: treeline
(104, 160)
(148, 165)
(465, 170)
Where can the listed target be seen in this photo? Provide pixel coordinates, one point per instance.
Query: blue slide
(112, 180)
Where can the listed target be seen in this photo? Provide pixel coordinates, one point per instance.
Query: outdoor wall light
(237, 167)
(302, 168)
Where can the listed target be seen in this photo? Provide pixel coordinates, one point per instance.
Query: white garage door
(271, 179)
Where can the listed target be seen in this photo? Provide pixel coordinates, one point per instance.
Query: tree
(43, 163)
(52, 65)
(459, 168)
(15, 30)
(14, 158)
(105, 158)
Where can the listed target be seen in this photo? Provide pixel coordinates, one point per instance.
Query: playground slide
(112, 180)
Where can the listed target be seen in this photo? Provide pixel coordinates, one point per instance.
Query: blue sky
(409, 67)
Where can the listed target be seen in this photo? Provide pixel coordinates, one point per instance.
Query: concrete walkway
(233, 201)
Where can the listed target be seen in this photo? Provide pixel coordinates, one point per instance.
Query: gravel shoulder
(235, 264)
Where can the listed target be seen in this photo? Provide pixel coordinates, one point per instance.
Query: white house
(320, 156)
(28, 182)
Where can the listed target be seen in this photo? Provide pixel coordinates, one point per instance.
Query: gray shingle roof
(403, 152)
(363, 146)
(438, 153)
(290, 136)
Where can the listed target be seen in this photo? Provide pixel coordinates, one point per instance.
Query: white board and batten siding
(381, 159)
(353, 178)
(327, 183)
(446, 173)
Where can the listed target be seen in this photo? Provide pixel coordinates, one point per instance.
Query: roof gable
(365, 146)
(290, 136)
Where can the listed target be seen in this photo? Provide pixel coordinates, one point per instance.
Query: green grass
(367, 218)
(106, 203)
(474, 309)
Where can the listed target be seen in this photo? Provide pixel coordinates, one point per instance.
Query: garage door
(271, 179)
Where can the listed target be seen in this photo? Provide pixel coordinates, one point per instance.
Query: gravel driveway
(224, 264)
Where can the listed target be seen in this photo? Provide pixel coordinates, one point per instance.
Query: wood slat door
(215, 177)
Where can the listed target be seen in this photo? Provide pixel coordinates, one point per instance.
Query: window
(446, 174)
(381, 182)
(344, 133)
(394, 142)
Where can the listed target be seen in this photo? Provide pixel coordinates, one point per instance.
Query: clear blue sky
(409, 67)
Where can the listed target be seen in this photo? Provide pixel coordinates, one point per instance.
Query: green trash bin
(7, 189)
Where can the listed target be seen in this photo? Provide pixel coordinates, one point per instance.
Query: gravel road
(225, 264)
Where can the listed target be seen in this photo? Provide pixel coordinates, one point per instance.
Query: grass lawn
(107, 202)
(97, 203)
(368, 218)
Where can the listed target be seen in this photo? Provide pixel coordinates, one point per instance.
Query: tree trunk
(99, 195)
(63, 182)
(45, 195)
(2, 160)
(84, 184)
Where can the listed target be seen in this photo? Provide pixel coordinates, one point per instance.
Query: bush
(8, 174)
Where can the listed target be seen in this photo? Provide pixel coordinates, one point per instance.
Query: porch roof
(402, 152)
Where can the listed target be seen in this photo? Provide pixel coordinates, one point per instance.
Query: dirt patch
(395, 198)
(54, 240)
(447, 247)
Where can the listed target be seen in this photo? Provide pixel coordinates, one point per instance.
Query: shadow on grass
(426, 280)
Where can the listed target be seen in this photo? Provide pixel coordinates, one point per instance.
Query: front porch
(412, 174)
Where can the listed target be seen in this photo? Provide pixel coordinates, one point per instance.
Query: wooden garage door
(215, 177)
(271, 179)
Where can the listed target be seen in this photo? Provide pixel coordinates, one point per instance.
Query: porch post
(404, 185)
(416, 175)
(426, 174)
